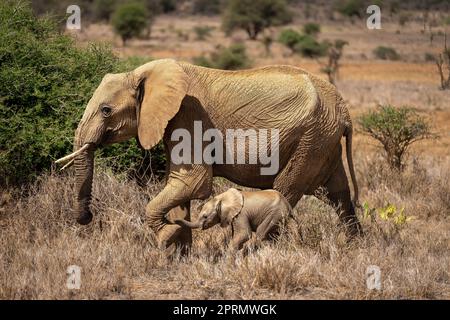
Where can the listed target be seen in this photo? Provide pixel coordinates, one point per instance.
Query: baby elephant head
(220, 209)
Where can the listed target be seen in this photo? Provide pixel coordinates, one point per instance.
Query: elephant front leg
(242, 232)
(173, 202)
(169, 204)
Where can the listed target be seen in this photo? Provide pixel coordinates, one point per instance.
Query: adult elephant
(157, 98)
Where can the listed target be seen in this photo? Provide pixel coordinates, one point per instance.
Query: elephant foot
(172, 237)
(85, 218)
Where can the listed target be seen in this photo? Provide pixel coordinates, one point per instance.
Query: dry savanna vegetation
(405, 216)
(313, 260)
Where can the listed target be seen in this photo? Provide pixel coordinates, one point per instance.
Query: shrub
(45, 84)
(168, 5)
(310, 47)
(430, 57)
(350, 8)
(181, 35)
(446, 21)
(403, 18)
(267, 41)
(202, 32)
(289, 38)
(129, 20)
(311, 29)
(396, 129)
(253, 16)
(443, 64)
(232, 58)
(334, 51)
(305, 45)
(207, 7)
(103, 9)
(386, 53)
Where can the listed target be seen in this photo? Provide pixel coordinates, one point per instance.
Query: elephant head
(125, 105)
(220, 209)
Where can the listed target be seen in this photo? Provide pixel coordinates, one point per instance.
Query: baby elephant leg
(269, 229)
(242, 233)
(238, 241)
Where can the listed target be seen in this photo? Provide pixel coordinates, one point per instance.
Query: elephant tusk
(72, 155)
(67, 165)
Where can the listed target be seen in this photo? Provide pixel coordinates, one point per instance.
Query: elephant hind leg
(269, 229)
(338, 193)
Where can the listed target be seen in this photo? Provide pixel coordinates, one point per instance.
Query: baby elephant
(261, 211)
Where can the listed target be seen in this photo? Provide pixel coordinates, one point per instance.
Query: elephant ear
(232, 203)
(162, 86)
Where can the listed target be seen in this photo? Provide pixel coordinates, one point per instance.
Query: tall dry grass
(117, 254)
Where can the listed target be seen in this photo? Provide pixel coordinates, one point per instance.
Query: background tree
(290, 38)
(254, 16)
(206, 7)
(312, 29)
(130, 19)
(103, 9)
(267, 41)
(334, 51)
(396, 129)
(233, 57)
(442, 59)
(351, 8)
(304, 44)
(46, 81)
(202, 32)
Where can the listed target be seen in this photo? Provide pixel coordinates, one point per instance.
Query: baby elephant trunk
(189, 224)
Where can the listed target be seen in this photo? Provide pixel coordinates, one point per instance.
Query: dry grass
(39, 240)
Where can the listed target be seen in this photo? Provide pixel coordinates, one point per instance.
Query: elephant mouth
(107, 138)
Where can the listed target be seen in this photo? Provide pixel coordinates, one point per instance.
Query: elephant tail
(348, 133)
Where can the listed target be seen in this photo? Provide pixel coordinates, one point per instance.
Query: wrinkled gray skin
(263, 212)
(155, 99)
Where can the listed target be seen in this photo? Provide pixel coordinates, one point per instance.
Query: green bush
(289, 38)
(232, 58)
(206, 7)
(396, 129)
(386, 53)
(309, 47)
(446, 21)
(350, 8)
(103, 9)
(129, 20)
(304, 44)
(202, 32)
(168, 5)
(430, 57)
(253, 16)
(311, 29)
(403, 18)
(45, 84)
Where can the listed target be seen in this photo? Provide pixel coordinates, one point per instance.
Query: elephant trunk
(84, 168)
(189, 224)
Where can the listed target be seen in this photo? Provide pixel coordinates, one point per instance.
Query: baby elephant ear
(162, 86)
(232, 203)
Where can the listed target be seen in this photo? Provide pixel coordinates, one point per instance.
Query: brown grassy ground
(39, 240)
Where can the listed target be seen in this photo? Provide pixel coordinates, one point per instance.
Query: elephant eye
(106, 111)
